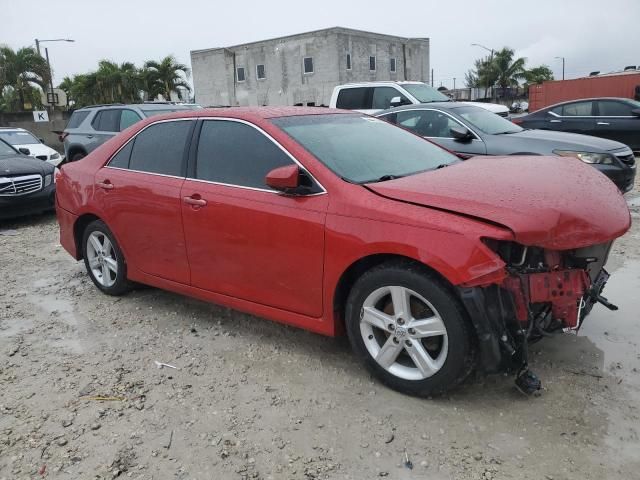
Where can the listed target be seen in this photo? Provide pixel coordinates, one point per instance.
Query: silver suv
(90, 127)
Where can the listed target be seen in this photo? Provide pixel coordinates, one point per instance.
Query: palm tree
(21, 70)
(508, 71)
(168, 75)
(538, 75)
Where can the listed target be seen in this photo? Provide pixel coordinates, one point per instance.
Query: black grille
(627, 159)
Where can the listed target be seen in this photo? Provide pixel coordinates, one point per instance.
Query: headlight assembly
(47, 180)
(55, 156)
(587, 157)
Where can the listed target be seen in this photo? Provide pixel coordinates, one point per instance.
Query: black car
(613, 118)
(469, 131)
(27, 184)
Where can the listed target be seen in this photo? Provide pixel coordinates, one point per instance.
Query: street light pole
(46, 52)
(562, 58)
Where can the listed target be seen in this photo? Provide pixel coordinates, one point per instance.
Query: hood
(37, 149)
(569, 141)
(23, 165)
(548, 203)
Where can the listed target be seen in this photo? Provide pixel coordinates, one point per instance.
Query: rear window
(77, 118)
(354, 98)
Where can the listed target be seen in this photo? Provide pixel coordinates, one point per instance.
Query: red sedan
(335, 221)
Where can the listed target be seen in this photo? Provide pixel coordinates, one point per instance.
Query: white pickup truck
(373, 97)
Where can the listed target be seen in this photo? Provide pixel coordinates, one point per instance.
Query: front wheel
(409, 330)
(104, 260)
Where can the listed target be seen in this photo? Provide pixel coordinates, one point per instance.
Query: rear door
(616, 122)
(243, 239)
(139, 194)
(355, 98)
(576, 117)
(108, 123)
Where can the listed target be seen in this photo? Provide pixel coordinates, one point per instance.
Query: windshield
(486, 121)
(424, 93)
(363, 149)
(5, 149)
(18, 138)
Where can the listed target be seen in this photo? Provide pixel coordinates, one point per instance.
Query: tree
(21, 70)
(508, 71)
(483, 74)
(166, 76)
(538, 75)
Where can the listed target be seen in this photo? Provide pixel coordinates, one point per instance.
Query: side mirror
(461, 134)
(398, 101)
(284, 179)
(635, 112)
(24, 151)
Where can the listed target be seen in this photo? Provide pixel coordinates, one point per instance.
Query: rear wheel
(103, 259)
(409, 330)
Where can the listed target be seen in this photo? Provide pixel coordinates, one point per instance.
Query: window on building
(372, 63)
(160, 148)
(240, 74)
(348, 61)
(393, 65)
(261, 73)
(236, 154)
(308, 64)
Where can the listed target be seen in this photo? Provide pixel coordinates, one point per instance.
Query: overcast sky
(590, 34)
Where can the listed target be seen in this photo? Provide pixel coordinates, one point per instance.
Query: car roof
(587, 100)
(143, 106)
(381, 82)
(250, 113)
(419, 106)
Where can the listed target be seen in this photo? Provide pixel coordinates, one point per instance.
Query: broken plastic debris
(161, 365)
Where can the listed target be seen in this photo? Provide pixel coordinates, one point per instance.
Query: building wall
(214, 71)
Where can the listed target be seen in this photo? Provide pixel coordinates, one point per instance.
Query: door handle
(89, 136)
(603, 123)
(555, 121)
(195, 201)
(107, 185)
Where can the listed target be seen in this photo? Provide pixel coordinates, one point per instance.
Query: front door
(244, 239)
(139, 194)
(616, 122)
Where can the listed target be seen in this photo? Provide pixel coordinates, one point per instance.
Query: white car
(20, 138)
(373, 97)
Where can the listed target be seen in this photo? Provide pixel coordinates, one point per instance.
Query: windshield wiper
(383, 178)
(505, 132)
(442, 165)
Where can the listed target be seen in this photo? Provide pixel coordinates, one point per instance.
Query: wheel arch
(78, 230)
(359, 267)
(74, 149)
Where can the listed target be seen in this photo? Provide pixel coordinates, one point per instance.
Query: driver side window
(428, 123)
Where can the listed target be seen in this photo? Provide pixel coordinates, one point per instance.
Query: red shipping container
(556, 91)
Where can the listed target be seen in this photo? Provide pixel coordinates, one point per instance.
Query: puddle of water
(617, 333)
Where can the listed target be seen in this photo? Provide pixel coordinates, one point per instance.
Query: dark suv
(90, 127)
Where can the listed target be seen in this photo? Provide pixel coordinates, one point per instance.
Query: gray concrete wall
(286, 83)
(57, 121)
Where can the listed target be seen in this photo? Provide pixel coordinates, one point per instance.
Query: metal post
(46, 52)
(562, 68)
(432, 77)
(38, 47)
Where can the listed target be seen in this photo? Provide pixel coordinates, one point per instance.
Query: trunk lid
(548, 202)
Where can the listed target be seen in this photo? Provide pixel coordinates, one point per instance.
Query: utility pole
(38, 47)
(46, 53)
(562, 58)
(432, 77)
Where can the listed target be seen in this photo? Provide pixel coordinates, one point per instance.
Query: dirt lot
(81, 396)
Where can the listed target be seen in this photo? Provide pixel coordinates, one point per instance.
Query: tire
(78, 156)
(443, 333)
(104, 260)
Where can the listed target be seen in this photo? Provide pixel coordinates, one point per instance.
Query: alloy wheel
(404, 333)
(102, 259)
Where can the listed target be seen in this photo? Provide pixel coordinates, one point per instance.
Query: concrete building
(303, 69)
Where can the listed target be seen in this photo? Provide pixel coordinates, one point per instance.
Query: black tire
(460, 357)
(121, 284)
(78, 156)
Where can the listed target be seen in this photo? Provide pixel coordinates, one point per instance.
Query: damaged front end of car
(539, 292)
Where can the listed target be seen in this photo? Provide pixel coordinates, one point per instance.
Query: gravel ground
(81, 396)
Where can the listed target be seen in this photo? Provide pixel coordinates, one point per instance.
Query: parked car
(373, 97)
(469, 131)
(331, 220)
(614, 118)
(27, 185)
(90, 127)
(21, 138)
